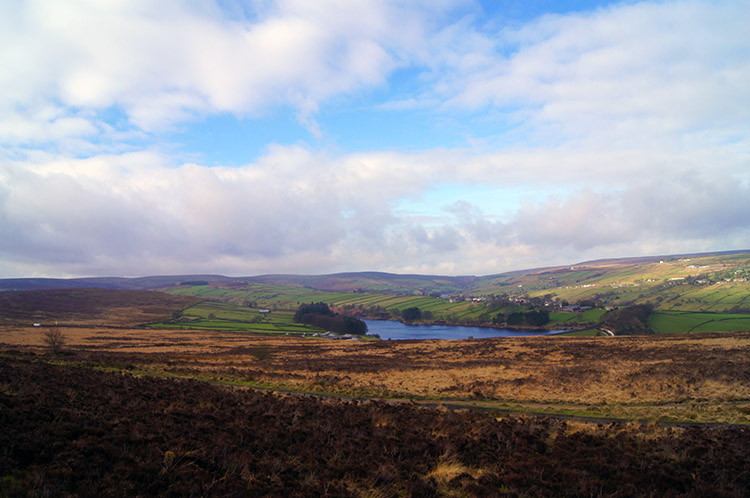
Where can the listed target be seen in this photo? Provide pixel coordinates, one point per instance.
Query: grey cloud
(692, 206)
(437, 240)
(668, 209)
(305, 215)
(140, 218)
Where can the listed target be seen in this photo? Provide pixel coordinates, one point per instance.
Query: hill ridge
(628, 271)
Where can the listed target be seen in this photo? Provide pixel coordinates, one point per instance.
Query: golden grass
(448, 469)
(697, 377)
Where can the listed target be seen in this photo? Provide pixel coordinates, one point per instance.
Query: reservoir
(389, 329)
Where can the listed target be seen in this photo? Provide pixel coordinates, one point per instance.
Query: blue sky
(448, 137)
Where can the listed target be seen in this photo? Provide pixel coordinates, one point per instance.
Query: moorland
(207, 386)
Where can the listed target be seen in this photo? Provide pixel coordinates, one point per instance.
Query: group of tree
(194, 282)
(631, 320)
(414, 314)
(533, 318)
(321, 309)
(321, 316)
(411, 314)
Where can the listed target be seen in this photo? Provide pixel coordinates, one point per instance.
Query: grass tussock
(448, 469)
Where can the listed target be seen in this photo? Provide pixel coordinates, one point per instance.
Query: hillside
(340, 282)
(718, 282)
(372, 281)
(689, 282)
(705, 282)
(115, 283)
(89, 307)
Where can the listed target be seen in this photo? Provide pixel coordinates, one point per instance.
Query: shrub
(55, 340)
(261, 353)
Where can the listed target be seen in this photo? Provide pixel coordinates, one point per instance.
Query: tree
(411, 314)
(515, 318)
(537, 318)
(54, 339)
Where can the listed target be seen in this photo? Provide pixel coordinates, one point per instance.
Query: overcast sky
(142, 137)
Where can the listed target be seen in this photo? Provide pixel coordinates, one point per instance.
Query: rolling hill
(689, 282)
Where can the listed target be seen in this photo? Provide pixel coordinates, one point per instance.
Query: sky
(452, 137)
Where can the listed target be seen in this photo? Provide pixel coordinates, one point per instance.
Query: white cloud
(163, 62)
(627, 73)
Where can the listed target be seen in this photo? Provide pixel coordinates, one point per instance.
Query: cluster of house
(332, 335)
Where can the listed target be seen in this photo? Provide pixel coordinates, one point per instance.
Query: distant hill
(372, 281)
(121, 283)
(717, 281)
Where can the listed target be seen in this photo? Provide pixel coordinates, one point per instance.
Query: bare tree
(54, 339)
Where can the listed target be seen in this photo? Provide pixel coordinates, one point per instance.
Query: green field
(674, 322)
(280, 297)
(289, 297)
(563, 319)
(232, 318)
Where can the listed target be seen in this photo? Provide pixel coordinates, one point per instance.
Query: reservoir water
(389, 329)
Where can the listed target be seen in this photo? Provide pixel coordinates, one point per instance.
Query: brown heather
(700, 377)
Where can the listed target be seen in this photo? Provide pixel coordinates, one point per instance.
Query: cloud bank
(613, 132)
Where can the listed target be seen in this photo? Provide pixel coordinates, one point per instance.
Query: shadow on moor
(73, 431)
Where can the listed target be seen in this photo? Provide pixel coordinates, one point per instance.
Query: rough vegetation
(79, 432)
(701, 377)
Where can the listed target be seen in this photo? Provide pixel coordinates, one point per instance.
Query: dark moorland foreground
(71, 431)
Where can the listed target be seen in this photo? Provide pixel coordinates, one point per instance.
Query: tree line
(533, 318)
